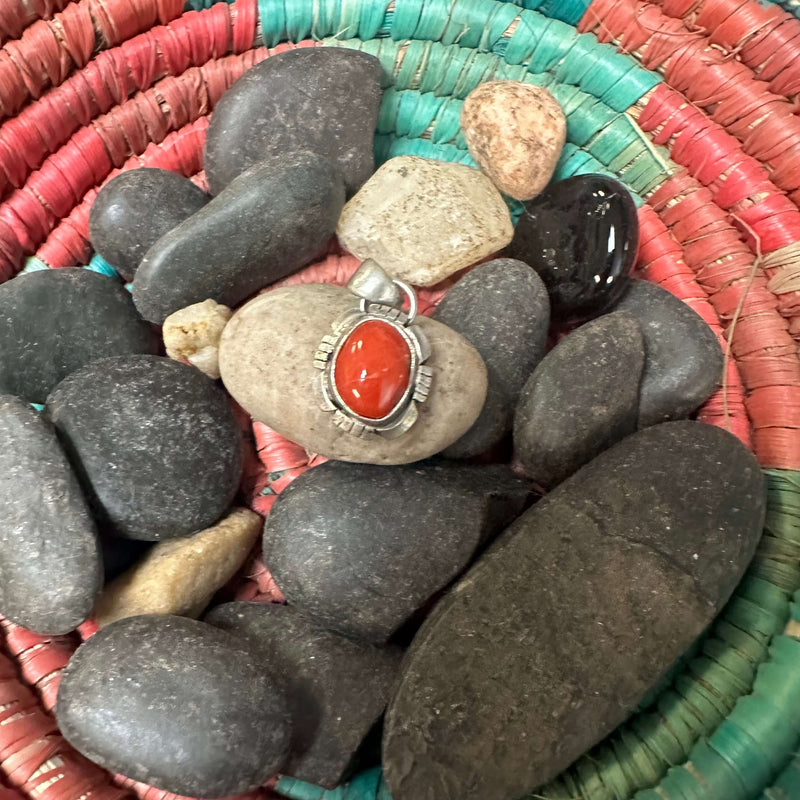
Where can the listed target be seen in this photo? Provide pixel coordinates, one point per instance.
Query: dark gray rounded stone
(336, 688)
(556, 634)
(360, 547)
(174, 703)
(325, 100)
(154, 444)
(684, 358)
(581, 399)
(502, 309)
(135, 209)
(54, 321)
(50, 567)
(270, 221)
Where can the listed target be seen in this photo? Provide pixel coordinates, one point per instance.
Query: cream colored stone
(192, 334)
(267, 364)
(180, 576)
(423, 220)
(515, 132)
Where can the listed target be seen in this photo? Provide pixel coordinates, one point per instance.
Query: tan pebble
(180, 576)
(515, 132)
(267, 364)
(192, 335)
(423, 220)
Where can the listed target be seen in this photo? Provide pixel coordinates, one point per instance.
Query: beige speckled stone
(267, 364)
(515, 132)
(192, 334)
(423, 220)
(180, 576)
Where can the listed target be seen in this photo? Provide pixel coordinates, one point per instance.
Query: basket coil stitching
(679, 256)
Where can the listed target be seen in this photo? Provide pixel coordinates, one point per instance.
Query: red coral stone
(372, 369)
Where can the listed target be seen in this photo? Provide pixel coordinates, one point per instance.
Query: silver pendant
(366, 401)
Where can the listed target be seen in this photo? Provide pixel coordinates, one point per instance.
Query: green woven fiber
(569, 11)
(787, 784)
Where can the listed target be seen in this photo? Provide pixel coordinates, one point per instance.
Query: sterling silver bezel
(405, 412)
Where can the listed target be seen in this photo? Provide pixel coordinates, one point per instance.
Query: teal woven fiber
(569, 11)
(521, 36)
(99, 264)
(197, 5)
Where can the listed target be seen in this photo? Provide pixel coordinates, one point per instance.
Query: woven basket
(692, 103)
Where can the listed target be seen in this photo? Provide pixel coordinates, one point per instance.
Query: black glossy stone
(154, 444)
(684, 358)
(336, 688)
(551, 640)
(135, 209)
(177, 704)
(581, 399)
(581, 235)
(270, 221)
(360, 547)
(54, 321)
(325, 100)
(501, 308)
(50, 567)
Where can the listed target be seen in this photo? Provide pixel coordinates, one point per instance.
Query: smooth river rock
(361, 548)
(581, 399)
(267, 223)
(266, 359)
(556, 634)
(319, 99)
(423, 220)
(336, 688)
(50, 566)
(192, 335)
(515, 132)
(177, 704)
(135, 209)
(582, 236)
(501, 308)
(180, 576)
(54, 321)
(684, 358)
(154, 444)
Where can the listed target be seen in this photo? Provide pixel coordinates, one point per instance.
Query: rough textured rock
(423, 220)
(177, 704)
(267, 363)
(153, 442)
(684, 359)
(580, 607)
(192, 335)
(581, 399)
(515, 132)
(181, 576)
(582, 236)
(49, 556)
(360, 548)
(267, 223)
(501, 308)
(135, 209)
(336, 688)
(322, 100)
(54, 321)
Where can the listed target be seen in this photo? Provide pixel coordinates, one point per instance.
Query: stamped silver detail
(381, 298)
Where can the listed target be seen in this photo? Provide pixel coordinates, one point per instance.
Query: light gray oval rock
(581, 399)
(55, 321)
(266, 359)
(556, 634)
(154, 443)
(684, 359)
(336, 688)
(177, 704)
(319, 99)
(361, 548)
(267, 223)
(502, 309)
(50, 564)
